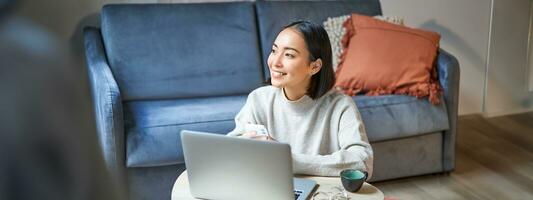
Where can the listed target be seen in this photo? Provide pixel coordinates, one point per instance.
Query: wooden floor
(494, 160)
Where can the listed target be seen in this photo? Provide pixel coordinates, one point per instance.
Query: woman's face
(289, 63)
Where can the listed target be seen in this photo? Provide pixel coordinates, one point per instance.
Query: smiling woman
(322, 126)
(301, 50)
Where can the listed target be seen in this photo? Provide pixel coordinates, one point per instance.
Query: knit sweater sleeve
(355, 151)
(245, 115)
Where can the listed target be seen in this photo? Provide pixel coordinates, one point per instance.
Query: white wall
(492, 82)
(530, 40)
(507, 79)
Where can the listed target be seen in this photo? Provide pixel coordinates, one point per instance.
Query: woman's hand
(255, 136)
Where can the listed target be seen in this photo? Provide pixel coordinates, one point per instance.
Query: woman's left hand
(262, 137)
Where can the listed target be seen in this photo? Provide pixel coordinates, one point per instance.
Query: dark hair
(318, 45)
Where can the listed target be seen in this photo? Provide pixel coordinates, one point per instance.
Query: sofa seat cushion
(153, 127)
(399, 116)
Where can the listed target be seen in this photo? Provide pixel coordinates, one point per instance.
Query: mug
(353, 179)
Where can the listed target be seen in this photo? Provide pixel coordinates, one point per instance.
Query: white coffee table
(180, 191)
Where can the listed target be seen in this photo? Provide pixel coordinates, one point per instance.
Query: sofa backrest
(162, 51)
(273, 15)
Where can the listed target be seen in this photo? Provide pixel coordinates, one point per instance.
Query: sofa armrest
(107, 103)
(449, 72)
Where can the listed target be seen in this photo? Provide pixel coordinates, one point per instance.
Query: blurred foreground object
(48, 145)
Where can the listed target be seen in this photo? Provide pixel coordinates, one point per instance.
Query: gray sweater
(326, 135)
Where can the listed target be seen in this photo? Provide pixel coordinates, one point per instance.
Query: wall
(507, 78)
(492, 82)
(530, 50)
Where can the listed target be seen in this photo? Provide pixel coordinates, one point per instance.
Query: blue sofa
(156, 69)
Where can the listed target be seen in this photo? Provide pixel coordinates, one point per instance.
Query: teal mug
(352, 179)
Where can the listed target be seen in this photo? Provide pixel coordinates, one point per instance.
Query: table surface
(180, 191)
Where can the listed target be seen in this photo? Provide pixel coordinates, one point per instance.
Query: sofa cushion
(168, 51)
(273, 15)
(398, 116)
(153, 127)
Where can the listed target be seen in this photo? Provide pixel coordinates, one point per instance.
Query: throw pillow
(382, 58)
(335, 30)
(390, 19)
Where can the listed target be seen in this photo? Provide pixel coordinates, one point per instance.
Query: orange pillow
(383, 58)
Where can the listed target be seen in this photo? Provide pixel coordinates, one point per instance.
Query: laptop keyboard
(297, 194)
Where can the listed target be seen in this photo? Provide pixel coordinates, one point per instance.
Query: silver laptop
(222, 167)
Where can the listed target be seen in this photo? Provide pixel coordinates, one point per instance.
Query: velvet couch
(156, 69)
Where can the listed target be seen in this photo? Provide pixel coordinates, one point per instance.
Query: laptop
(222, 167)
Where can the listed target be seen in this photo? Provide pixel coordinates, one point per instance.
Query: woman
(322, 126)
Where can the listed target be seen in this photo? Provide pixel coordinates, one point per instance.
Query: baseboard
(507, 112)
